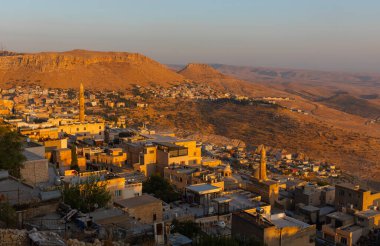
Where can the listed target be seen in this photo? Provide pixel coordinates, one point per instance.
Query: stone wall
(41, 209)
(302, 237)
(145, 213)
(11, 237)
(35, 171)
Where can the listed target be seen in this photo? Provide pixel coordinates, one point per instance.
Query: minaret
(263, 164)
(260, 173)
(81, 103)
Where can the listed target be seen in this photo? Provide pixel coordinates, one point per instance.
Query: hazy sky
(316, 34)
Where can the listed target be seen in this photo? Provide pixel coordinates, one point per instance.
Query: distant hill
(272, 75)
(353, 105)
(353, 93)
(207, 74)
(111, 70)
(202, 72)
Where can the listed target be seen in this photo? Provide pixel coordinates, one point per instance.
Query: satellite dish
(57, 181)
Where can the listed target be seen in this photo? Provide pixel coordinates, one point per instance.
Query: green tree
(74, 158)
(87, 195)
(8, 215)
(322, 183)
(188, 228)
(161, 188)
(11, 147)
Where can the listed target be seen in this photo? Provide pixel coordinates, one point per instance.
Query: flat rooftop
(368, 213)
(30, 156)
(120, 130)
(103, 214)
(326, 210)
(137, 201)
(244, 200)
(203, 188)
(160, 138)
(261, 222)
(310, 208)
(222, 199)
(16, 192)
(351, 187)
(170, 145)
(183, 170)
(340, 216)
(281, 221)
(269, 182)
(31, 144)
(351, 228)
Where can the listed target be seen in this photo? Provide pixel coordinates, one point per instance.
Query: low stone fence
(10, 237)
(14, 237)
(75, 242)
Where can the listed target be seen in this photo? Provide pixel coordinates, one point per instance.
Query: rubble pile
(12, 237)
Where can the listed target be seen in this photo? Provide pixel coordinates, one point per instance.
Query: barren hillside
(354, 93)
(257, 124)
(111, 70)
(207, 74)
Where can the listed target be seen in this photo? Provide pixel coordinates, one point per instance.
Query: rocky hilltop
(197, 71)
(110, 70)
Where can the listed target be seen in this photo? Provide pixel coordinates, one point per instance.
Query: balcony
(328, 229)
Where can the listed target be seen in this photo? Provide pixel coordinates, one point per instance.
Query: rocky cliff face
(98, 69)
(47, 62)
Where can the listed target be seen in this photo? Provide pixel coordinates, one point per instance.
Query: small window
(84, 128)
(154, 217)
(100, 127)
(343, 240)
(77, 129)
(151, 151)
(117, 193)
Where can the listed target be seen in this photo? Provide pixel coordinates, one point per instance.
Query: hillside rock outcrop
(112, 70)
